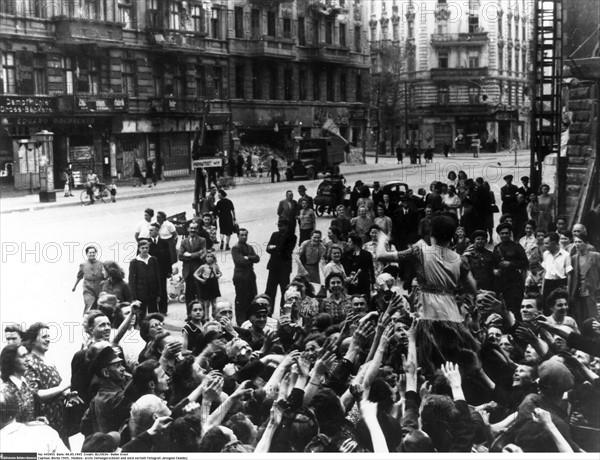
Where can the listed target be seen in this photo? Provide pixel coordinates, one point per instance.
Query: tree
(387, 93)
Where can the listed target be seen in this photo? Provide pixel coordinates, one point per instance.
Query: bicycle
(101, 193)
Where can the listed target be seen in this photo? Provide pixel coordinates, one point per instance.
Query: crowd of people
(414, 325)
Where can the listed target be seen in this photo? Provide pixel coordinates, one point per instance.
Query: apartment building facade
(119, 80)
(464, 68)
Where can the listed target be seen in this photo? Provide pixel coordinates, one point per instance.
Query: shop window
(273, 84)
(200, 79)
(256, 82)
(343, 89)
(218, 82)
(9, 73)
(239, 82)
(128, 76)
(287, 28)
(443, 59)
(215, 23)
(301, 31)
(255, 23)
(271, 26)
(174, 19)
(443, 95)
(39, 74)
(238, 13)
(329, 31)
(198, 18)
(357, 33)
(126, 13)
(316, 86)
(287, 84)
(302, 93)
(342, 32)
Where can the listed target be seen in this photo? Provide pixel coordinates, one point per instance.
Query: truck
(316, 155)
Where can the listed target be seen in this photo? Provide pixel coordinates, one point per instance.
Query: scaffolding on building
(546, 114)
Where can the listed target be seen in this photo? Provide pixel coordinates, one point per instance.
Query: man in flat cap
(110, 407)
(508, 194)
(304, 195)
(510, 265)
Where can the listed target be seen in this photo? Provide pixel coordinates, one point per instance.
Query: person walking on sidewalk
(399, 155)
(275, 170)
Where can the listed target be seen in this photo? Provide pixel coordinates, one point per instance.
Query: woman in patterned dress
(53, 394)
(12, 368)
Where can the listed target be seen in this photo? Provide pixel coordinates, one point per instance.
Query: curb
(158, 191)
(190, 187)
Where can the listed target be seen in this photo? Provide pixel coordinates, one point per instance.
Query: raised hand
(325, 363)
(452, 373)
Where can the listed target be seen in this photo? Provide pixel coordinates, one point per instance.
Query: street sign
(214, 162)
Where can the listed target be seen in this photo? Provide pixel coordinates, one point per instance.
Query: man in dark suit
(525, 189)
(377, 193)
(160, 249)
(405, 225)
(508, 193)
(191, 252)
(358, 265)
(281, 246)
(244, 278)
(288, 210)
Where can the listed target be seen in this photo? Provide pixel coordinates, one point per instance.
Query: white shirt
(143, 228)
(556, 266)
(33, 437)
(166, 230)
(529, 243)
(138, 257)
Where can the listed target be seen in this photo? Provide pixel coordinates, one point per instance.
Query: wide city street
(41, 250)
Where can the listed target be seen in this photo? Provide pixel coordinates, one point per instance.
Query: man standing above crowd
(508, 194)
(481, 261)
(509, 262)
(191, 253)
(142, 230)
(281, 246)
(305, 196)
(557, 265)
(160, 249)
(288, 210)
(244, 278)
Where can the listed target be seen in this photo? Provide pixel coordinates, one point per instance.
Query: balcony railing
(169, 104)
(458, 73)
(464, 39)
(264, 47)
(325, 53)
(93, 103)
(176, 39)
(74, 30)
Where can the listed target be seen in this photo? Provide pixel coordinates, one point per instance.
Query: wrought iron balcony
(170, 104)
(325, 53)
(475, 39)
(93, 103)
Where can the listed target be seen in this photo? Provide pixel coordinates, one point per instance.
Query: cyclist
(91, 185)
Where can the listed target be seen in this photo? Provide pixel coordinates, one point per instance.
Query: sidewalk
(16, 201)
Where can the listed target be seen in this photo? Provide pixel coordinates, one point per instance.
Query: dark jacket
(363, 262)
(107, 410)
(281, 254)
(162, 251)
(405, 227)
(144, 279)
(244, 268)
(197, 249)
